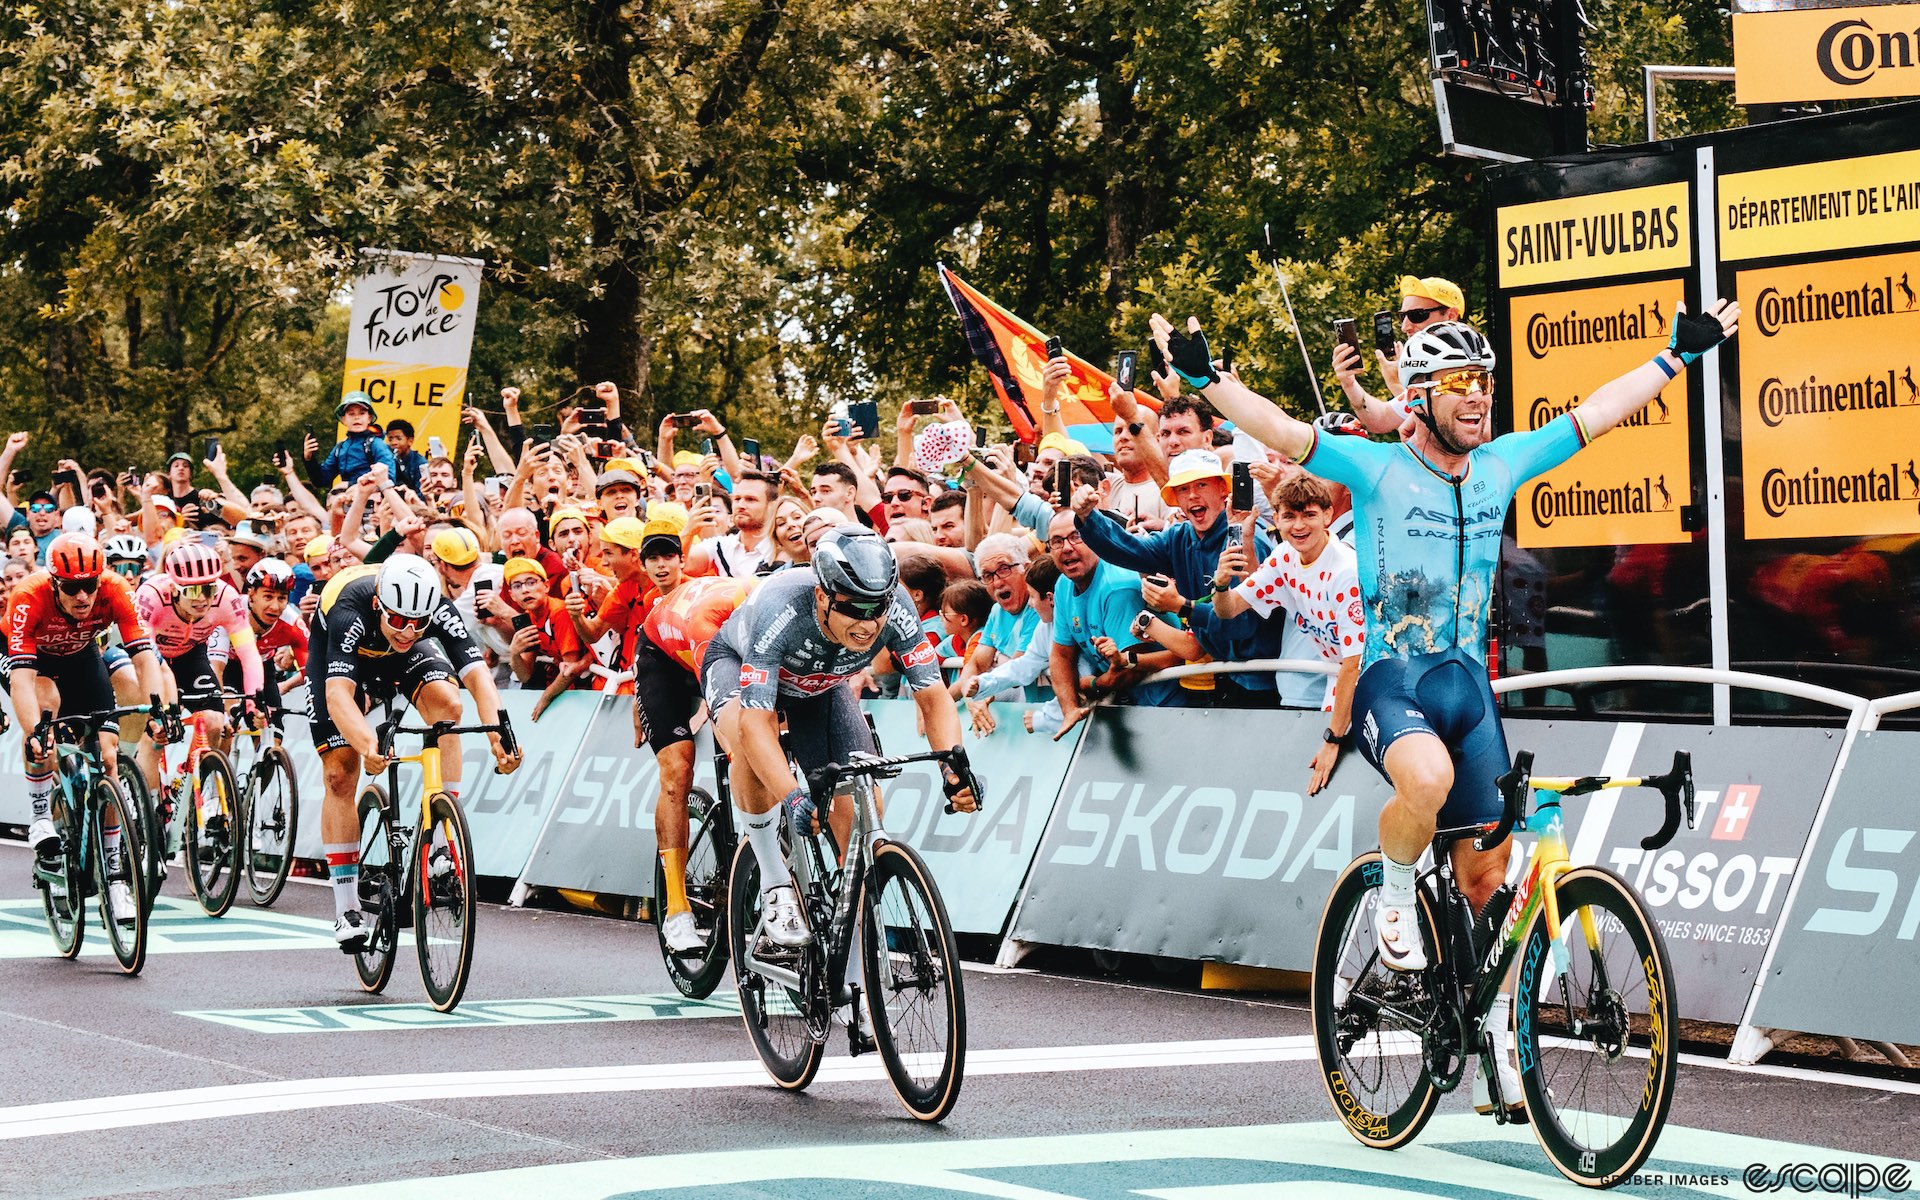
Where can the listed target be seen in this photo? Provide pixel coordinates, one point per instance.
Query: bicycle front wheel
(1596, 1029)
(214, 835)
(273, 819)
(63, 892)
(153, 838)
(375, 964)
(1368, 1018)
(127, 934)
(696, 974)
(914, 993)
(443, 902)
(775, 1015)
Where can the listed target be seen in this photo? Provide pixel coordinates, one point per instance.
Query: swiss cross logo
(1735, 809)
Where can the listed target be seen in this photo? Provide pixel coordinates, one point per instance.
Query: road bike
(203, 790)
(269, 799)
(420, 875)
(711, 842)
(912, 963)
(85, 805)
(1595, 1006)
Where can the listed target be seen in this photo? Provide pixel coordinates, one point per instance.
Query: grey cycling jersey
(784, 652)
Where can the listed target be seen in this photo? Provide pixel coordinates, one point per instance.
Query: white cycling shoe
(120, 903)
(42, 837)
(352, 931)
(681, 934)
(780, 918)
(1396, 929)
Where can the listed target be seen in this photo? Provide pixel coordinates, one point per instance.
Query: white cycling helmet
(1444, 347)
(408, 586)
(125, 547)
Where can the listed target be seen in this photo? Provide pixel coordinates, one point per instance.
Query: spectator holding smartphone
(1423, 303)
(1094, 603)
(546, 650)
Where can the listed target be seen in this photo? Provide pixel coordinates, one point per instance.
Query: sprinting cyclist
(381, 633)
(55, 666)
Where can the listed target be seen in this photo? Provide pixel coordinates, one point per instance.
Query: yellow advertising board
(1815, 207)
(1830, 398)
(1627, 232)
(409, 340)
(1627, 488)
(1860, 51)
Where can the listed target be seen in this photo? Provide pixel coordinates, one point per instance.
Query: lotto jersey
(1428, 543)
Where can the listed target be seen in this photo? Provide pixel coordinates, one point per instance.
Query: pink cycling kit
(175, 636)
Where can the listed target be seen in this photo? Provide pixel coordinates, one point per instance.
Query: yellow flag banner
(411, 337)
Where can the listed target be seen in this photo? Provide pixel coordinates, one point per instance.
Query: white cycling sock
(110, 849)
(763, 834)
(1500, 1022)
(40, 793)
(343, 869)
(1396, 882)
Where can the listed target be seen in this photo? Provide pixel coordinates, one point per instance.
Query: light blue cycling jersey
(1427, 542)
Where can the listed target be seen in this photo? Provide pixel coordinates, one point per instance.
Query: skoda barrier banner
(1847, 961)
(600, 837)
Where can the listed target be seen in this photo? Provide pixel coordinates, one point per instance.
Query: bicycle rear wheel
(63, 894)
(129, 940)
(696, 974)
(153, 839)
(1368, 1018)
(375, 964)
(213, 847)
(273, 820)
(775, 1015)
(443, 902)
(1596, 1033)
(914, 993)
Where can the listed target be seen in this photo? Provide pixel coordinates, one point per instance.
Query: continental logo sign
(1830, 399)
(1594, 237)
(1815, 207)
(1827, 54)
(1628, 487)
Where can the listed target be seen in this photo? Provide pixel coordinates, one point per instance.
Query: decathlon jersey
(784, 652)
(1428, 543)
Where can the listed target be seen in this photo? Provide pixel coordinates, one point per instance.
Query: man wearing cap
(642, 557)
(465, 575)
(43, 521)
(246, 546)
(356, 453)
(1188, 552)
(1423, 303)
(618, 490)
(570, 537)
(686, 475)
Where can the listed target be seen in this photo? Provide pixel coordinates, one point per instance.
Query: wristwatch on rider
(1334, 739)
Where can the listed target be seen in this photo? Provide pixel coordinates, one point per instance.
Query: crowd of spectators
(570, 530)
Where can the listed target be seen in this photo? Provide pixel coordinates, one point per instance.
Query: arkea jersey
(1428, 543)
(351, 626)
(784, 652)
(35, 624)
(685, 623)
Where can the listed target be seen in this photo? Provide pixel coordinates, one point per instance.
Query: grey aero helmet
(852, 561)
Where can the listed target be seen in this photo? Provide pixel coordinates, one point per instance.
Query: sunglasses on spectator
(198, 591)
(399, 622)
(79, 587)
(1462, 381)
(1066, 539)
(1419, 316)
(903, 494)
(42, 506)
(860, 610)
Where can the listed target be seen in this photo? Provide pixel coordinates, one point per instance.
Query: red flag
(1015, 353)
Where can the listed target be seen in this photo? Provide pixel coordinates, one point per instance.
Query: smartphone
(1242, 500)
(751, 448)
(865, 415)
(1055, 349)
(980, 437)
(1384, 331)
(1123, 369)
(483, 585)
(213, 448)
(1024, 453)
(543, 433)
(1226, 359)
(684, 421)
(1346, 331)
(1236, 535)
(591, 418)
(521, 621)
(1063, 482)
(435, 447)
(923, 408)
(702, 490)
(1159, 580)
(66, 479)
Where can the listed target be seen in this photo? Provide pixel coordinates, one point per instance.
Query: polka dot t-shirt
(1324, 598)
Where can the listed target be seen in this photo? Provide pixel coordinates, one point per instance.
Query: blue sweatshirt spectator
(1187, 552)
(409, 464)
(355, 454)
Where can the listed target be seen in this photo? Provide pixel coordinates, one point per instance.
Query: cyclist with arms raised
(1427, 536)
(790, 651)
(382, 632)
(55, 666)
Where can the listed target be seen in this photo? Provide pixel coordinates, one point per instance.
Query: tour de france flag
(1830, 397)
(411, 338)
(1626, 488)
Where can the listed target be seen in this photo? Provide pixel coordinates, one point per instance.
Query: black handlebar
(1514, 787)
(1676, 786)
(79, 725)
(439, 729)
(820, 782)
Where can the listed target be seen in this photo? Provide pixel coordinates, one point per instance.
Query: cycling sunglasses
(127, 570)
(1420, 316)
(79, 587)
(198, 591)
(1463, 381)
(402, 623)
(860, 610)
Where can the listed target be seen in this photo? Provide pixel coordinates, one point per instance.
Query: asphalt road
(246, 1062)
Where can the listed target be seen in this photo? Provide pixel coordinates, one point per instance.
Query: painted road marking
(474, 1014)
(1459, 1156)
(178, 926)
(197, 1104)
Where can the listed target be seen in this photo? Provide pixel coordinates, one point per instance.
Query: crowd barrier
(1188, 834)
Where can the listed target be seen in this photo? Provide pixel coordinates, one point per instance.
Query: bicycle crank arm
(779, 975)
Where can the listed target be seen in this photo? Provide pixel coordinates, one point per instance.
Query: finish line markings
(474, 1014)
(178, 926)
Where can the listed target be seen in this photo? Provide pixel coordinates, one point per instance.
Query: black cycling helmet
(852, 562)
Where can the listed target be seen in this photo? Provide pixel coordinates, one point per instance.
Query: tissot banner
(411, 337)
